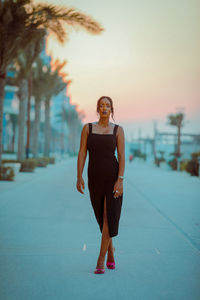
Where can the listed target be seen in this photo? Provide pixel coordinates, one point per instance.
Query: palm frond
(21, 20)
(175, 119)
(55, 17)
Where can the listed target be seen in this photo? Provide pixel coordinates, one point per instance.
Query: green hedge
(28, 165)
(7, 173)
(10, 161)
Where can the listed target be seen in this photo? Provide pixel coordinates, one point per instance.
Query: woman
(105, 176)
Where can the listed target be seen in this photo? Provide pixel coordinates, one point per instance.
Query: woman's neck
(103, 122)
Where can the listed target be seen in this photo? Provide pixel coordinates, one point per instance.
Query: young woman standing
(105, 176)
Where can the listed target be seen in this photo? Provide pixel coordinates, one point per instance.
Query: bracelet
(121, 177)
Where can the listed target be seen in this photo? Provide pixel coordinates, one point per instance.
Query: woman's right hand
(80, 185)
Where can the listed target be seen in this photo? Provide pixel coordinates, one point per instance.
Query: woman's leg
(111, 250)
(105, 240)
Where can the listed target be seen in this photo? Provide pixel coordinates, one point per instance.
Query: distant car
(130, 157)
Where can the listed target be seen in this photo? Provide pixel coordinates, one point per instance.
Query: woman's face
(104, 108)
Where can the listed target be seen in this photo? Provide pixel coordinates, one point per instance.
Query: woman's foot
(110, 256)
(100, 262)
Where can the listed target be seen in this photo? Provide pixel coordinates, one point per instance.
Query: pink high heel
(99, 271)
(110, 265)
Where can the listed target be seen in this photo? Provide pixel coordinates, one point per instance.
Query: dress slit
(107, 214)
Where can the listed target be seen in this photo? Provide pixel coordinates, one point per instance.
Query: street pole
(139, 140)
(154, 139)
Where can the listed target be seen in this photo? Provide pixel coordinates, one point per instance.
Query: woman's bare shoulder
(120, 130)
(120, 126)
(86, 128)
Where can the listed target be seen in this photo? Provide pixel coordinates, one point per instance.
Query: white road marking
(157, 251)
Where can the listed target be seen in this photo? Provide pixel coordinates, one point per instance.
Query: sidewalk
(50, 239)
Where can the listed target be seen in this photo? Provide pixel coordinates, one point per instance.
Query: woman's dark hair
(111, 104)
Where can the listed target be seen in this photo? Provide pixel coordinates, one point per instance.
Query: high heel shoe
(110, 265)
(99, 271)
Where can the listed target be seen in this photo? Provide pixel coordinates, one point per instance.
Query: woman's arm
(121, 151)
(82, 154)
(121, 158)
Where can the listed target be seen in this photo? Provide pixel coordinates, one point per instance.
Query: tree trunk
(47, 127)
(23, 96)
(28, 115)
(2, 95)
(179, 139)
(36, 127)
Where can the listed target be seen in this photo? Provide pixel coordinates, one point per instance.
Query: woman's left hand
(118, 188)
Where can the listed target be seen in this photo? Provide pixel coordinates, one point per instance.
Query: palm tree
(74, 123)
(39, 92)
(11, 38)
(20, 21)
(53, 84)
(24, 64)
(46, 83)
(176, 120)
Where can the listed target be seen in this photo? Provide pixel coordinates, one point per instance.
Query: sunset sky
(146, 60)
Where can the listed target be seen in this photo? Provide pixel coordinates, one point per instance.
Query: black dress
(102, 174)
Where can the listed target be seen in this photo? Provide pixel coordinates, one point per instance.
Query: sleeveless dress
(102, 170)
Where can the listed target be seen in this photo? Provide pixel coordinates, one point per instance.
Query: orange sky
(146, 60)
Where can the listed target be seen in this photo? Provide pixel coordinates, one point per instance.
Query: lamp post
(154, 139)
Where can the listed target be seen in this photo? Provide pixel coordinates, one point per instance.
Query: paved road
(49, 238)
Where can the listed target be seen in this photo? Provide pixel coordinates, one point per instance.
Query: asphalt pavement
(50, 240)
